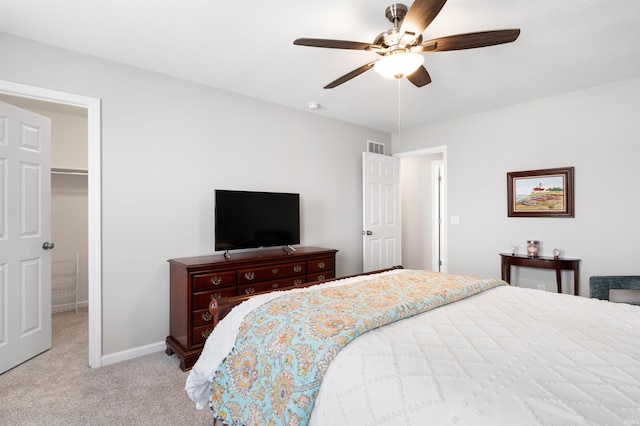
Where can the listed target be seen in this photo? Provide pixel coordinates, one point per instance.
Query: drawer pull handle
(249, 275)
(297, 268)
(250, 290)
(321, 265)
(207, 316)
(206, 333)
(216, 296)
(320, 277)
(297, 281)
(216, 280)
(274, 285)
(274, 271)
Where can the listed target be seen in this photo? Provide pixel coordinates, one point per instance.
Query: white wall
(68, 140)
(594, 130)
(166, 145)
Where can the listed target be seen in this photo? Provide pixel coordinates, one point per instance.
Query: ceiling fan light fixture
(399, 64)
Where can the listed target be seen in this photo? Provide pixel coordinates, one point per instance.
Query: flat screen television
(249, 219)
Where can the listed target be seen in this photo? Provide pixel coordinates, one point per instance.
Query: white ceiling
(247, 47)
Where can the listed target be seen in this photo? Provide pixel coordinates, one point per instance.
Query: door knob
(47, 245)
(367, 233)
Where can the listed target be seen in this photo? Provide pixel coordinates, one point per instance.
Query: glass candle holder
(533, 247)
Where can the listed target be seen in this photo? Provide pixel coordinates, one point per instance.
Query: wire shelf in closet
(64, 285)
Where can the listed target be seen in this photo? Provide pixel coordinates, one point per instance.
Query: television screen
(247, 219)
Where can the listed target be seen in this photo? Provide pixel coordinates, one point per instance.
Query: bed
(452, 350)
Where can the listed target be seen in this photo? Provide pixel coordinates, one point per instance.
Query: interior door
(381, 211)
(25, 234)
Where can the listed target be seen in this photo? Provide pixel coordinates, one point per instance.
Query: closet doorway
(69, 201)
(423, 206)
(46, 101)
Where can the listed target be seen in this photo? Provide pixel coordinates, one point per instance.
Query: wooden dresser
(195, 281)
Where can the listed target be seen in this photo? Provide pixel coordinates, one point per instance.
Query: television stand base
(227, 255)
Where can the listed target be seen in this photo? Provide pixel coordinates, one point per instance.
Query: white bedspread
(505, 356)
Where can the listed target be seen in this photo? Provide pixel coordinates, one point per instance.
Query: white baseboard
(133, 353)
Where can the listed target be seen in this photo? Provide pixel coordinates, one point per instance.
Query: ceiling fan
(400, 47)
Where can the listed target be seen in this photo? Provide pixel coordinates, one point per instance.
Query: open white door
(381, 211)
(25, 234)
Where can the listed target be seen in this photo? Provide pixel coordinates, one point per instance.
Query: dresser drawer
(320, 276)
(213, 281)
(201, 300)
(270, 285)
(200, 334)
(201, 317)
(251, 275)
(320, 265)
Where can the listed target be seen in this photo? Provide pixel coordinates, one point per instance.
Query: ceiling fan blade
(420, 15)
(473, 40)
(420, 77)
(348, 76)
(332, 44)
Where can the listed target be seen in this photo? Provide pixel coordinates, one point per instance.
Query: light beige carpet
(58, 388)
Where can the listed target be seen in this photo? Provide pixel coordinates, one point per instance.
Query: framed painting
(540, 193)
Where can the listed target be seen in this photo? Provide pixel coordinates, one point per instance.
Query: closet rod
(57, 171)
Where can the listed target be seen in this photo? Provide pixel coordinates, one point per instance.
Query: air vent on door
(375, 147)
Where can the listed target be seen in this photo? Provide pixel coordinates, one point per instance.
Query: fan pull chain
(399, 120)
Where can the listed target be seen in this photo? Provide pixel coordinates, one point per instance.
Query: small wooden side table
(559, 264)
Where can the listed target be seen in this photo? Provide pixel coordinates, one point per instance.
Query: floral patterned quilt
(285, 346)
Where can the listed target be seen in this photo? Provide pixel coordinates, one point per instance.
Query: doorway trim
(437, 220)
(431, 151)
(93, 107)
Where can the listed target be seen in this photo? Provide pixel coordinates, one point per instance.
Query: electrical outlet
(542, 287)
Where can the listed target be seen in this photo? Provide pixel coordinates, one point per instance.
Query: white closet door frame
(93, 107)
